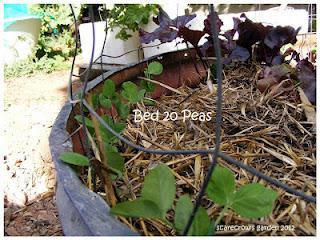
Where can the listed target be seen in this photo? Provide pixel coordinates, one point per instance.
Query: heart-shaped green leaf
(148, 86)
(109, 148)
(137, 208)
(105, 102)
(155, 68)
(221, 186)
(160, 187)
(115, 162)
(95, 101)
(115, 98)
(107, 136)
(123, 110)
(157, 196)
(201, 223)
(254, 201)
(87, 121)
(212, 229)
(131, 93)
(74, 158)
(119, 127)
(109, 88)
(141, 94)
(182, 213)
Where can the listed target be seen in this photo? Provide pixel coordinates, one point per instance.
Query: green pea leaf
(115, 98)
(115, 162)
(254, 201)
(119, 127)
(107, 136)
(110, 148)
(155, 68)
(105, 102)
(131, 93)
(109, 88)
(74, 158)
(129, 89)
(87, 121)
(160, 187)
(201, 226)
(95, 101)
(182, 213)
(201, 223)
(148, 86)
(123, 35)
(212, 229)
(141, 94)
(221, 186)
(157, 196)
(123, 110)
(137, 208)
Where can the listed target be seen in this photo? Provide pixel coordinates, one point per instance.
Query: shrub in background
(130, 17)
(56, 41)
(56, 34)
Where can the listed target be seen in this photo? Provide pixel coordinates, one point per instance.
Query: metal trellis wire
(215, 152)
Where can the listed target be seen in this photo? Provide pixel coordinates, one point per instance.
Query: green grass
(31, 66)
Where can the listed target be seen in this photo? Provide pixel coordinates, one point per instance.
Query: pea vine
(158, 193)
(115, 108)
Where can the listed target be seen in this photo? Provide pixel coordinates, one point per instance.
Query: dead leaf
(277, 71)
(284, 86)
(273, 76)
(306, 73)
(265, 83)
(308, 108)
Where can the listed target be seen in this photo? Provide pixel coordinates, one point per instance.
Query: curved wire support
(202, 152)
(215, 152)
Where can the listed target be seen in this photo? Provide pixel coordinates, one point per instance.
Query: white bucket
(274, 16)
(113, 46)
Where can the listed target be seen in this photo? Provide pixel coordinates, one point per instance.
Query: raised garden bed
(73, 198)
(169, 102)
(270, 134)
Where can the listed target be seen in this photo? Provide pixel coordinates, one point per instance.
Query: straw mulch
(269, 133)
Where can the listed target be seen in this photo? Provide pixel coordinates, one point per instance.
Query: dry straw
(271, 134)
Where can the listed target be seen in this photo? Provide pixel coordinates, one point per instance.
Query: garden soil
(31, 105)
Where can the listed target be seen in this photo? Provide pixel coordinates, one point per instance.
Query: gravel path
(31, 105)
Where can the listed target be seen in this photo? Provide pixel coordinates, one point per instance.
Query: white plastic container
(113, 47)
(273, 16)
(20, 38)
